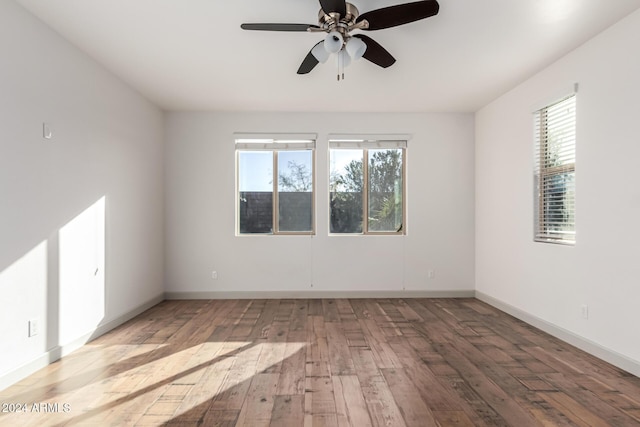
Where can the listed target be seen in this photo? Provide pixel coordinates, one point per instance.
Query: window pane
(295, 191)
(255, 184)
(555, 127)
(345, 198)
(558, 206)
(385, 190)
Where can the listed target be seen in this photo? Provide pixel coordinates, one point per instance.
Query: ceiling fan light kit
(333, 42)
(320, 53)
(356, 48)
(338, 18)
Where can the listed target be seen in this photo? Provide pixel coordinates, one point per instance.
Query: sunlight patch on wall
(82, 273)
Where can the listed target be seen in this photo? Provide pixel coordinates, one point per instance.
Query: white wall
(551, 282)
(200, 209)
(81, 222)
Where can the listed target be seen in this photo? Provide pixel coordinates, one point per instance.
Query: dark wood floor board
(334, 362)
(317, 349)
(375, 311)
(338, 346)
(380, 402)
(345, 310)
(360, 309)
(381, 350)
(319, 397)
(481, 412)
(299, 313)
(431, 327)
(315, 307)
(414, 410)
(437, 396)
(500, 398)
(330, 310)
(578, 414)
(288, 411)
(258, 405)
(391, 313)
(407, 312)
(351, 409)
(572, 364)
(591, 400)
(453, 419)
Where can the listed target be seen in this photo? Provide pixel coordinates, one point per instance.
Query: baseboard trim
(103, 328)
(29, 368)
(610, 356)
(57, 352)
(317, 294)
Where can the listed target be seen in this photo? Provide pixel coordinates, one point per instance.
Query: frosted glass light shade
(320, 53)
(356, 48)
(333, 42)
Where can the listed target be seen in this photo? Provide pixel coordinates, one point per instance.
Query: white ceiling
(192, 54)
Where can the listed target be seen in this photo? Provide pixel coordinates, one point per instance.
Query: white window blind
(368, 141)
(555, 166)
(280, 141)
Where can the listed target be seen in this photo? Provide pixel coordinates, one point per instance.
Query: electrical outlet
(585, 311)
(214, 275)
(431, 274)
(34, 327)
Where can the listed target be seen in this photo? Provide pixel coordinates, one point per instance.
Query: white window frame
(366, 143)
(548, 229)
(276, 143)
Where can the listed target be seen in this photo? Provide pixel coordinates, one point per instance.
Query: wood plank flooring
(364, 362)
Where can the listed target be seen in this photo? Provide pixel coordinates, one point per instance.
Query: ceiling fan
(338, 18)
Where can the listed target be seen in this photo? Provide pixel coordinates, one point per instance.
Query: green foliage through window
(367, 197)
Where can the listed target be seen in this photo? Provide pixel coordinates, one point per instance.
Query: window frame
(366, 143)
(275, 143)
(543, 173)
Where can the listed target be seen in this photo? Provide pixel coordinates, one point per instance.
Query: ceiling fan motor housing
(334, 22)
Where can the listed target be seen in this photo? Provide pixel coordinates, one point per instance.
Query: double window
(275, 184)
(555, 168)
(366, 186)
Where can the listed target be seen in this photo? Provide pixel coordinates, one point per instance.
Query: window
(366, 186)
(555, 168)
(275, 184)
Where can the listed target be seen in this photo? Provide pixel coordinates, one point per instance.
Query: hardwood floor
(374, 362)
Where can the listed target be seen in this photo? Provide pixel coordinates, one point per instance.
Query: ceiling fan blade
(400, 14)
(338, 6)
(376, 53)
(277, 27)
(309, 62)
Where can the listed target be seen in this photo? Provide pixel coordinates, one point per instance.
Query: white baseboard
(318, 294)
(57, 352)
(610, 356)
(103, 328)
(29, 368)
